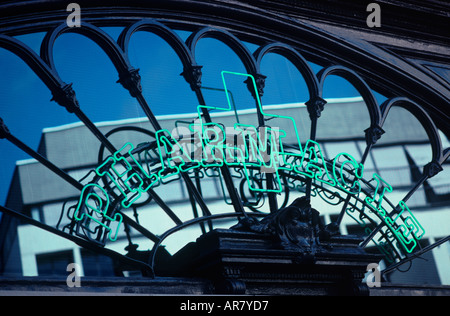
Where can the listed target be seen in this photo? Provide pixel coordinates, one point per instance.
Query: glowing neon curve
(254, 151)
(100, 209)
(256, 148)
(251, 151)
(409, 226)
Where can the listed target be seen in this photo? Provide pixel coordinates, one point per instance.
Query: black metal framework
(364, 67)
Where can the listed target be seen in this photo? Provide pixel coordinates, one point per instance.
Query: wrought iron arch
(41, 69)
(315, 104)
(359, 84)
(286, 44)
(102, 39)
(422, 117)
(376, 65)
(296, 58)
(164, 32)
(227, 38)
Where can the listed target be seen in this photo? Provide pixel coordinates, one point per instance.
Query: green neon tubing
(380, 190)
(352, 188)
(100, 209)
(409, 231)
(313, 167)
(251, 152)
(174, 152)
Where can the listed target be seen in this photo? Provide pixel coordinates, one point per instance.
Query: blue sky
(26, 108)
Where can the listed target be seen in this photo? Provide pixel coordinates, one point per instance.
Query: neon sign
(248, 147)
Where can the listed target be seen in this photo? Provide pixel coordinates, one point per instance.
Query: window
(54, 263)
(95, 265)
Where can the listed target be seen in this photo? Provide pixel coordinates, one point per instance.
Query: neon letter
(177, 158)
(382, 187)
(409, 231)
(316, 164)
(99, 207)
(261, 151)
(213, 137)
(354, 187)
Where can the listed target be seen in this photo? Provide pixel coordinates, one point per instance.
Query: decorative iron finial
(131, 80)
(260, 81)
(373, 134)
(66, 97)
(315, 107)
(193, 76)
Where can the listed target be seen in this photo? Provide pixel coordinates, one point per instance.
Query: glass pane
(54, 263)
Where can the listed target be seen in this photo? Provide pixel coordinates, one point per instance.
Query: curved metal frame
(286, 45)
